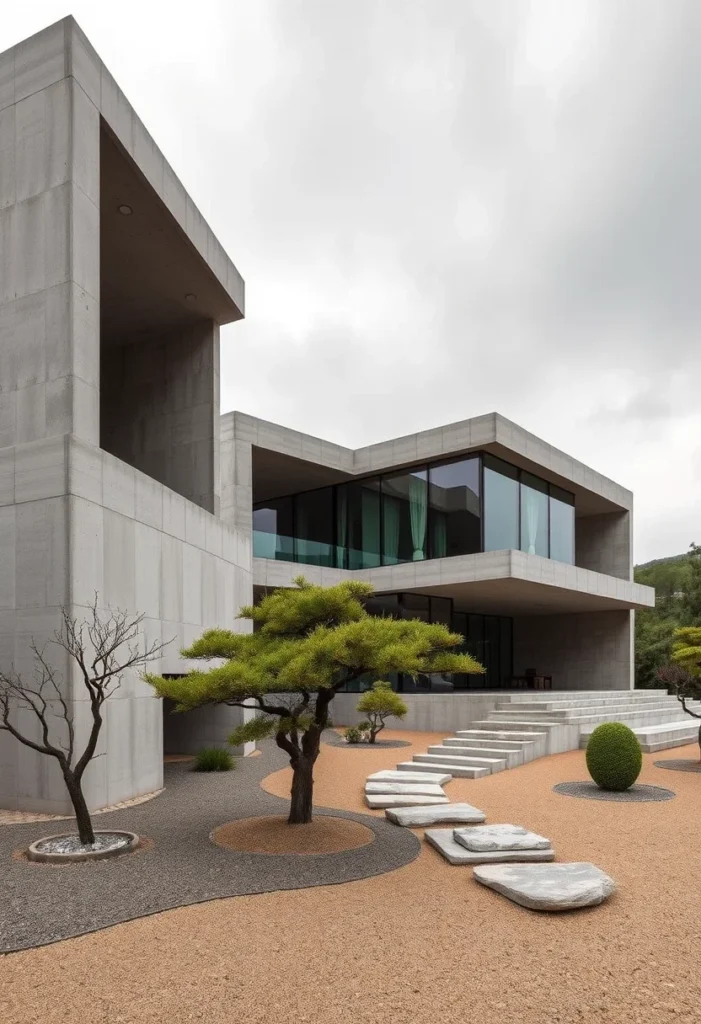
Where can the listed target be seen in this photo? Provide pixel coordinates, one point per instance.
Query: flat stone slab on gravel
(443, 840)
(417, 817)
(500, 838)
(404, 788)
(551, 887)
(390, 775)
(379, 801)
(637, 794)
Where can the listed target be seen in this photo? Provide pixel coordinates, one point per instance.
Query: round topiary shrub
(614, 757)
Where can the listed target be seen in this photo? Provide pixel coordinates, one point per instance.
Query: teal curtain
(440, 535)
(390, 511)
(341, 526)
(370, 503)
(418, 508)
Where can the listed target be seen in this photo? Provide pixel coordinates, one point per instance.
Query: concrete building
(118, 475)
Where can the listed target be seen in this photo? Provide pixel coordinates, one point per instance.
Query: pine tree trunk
(302, 791)
(82, 814)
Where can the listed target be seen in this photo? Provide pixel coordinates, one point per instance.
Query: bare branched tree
(103, 647)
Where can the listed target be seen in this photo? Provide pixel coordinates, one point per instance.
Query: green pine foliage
(308, 643)
(614, 756)
(379, 704)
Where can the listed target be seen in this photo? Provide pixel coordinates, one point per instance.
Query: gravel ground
(418, 945)
(41, 903)
(676, 765)
(636, 794)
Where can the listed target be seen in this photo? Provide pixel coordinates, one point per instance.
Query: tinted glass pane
(454, 508)
(506, 669)
(363, 524)
(441, 610)
(272, 530)
(491, 651)
(404, 517)
(415, 606)
(501, 505)
(561, 530)
(314, 527)
(534, 515)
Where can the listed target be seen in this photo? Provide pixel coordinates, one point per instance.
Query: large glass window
(363, 523)
(501, 505)
(454, 508)
(404, 517)
(314, 533)
(534, 515)
(273, 535)
(561, 525)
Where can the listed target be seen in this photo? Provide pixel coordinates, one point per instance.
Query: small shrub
(363, 727)
(213, 759)
(614, 757)
(353, 735)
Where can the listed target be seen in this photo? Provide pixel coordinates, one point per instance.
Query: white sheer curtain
(418, 508)
(531, 519)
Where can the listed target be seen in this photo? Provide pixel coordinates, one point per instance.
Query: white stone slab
(417, 817)
(378, 801)
(390, 775)
(488, 838)
(442, 839)
(415, 788)
(548, 887)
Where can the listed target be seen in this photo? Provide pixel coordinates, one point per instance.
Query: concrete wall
(428, 712)
(603, 543)
(236, 472)
(586, 651)
(82, 522)
(159, 409)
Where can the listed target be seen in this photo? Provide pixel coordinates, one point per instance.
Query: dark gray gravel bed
(40, 904)
(679, 765)
(334, 739)
(636, 794)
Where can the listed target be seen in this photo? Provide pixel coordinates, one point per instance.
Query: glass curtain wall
(453, 507)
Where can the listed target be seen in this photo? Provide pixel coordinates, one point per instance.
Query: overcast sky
(443, 208)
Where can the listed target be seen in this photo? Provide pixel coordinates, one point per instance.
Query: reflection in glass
(314, 541)
(501, 505)
(534, 515)
(454, 500)
(364, 524)
(272, 530)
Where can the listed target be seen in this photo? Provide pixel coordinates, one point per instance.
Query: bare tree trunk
(302, 791)
(82, 814)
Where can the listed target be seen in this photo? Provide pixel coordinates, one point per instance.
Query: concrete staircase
(524, 726)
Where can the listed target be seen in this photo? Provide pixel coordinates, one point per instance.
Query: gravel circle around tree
(635, 795)
(44, 903)
(679, 765)
(335, 739)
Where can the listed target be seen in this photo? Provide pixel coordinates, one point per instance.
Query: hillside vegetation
(677, 583)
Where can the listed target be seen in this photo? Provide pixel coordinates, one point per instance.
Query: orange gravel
(421, 945)
(272, 834)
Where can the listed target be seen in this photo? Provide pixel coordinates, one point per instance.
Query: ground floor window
(488, 638)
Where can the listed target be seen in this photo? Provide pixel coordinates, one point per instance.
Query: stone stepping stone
(499, 838)
(550, 887)
(390, 775)
(428, 789)
(417, 817)
(379, 801)
(443, 840)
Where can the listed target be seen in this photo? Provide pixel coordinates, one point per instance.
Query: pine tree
(379, 704)
(308, 643)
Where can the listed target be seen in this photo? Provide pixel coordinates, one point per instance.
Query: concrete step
(659, 737)
(533, 744)
(559, 736)
(647, 716)
(458, 771)
(566, 705)
(458, 742)
(516, 697)
(513, 758)
(494, 764)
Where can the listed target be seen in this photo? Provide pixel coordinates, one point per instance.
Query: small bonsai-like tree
(379, 704)
(309, 642)
(103, 647)
(683, 677)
